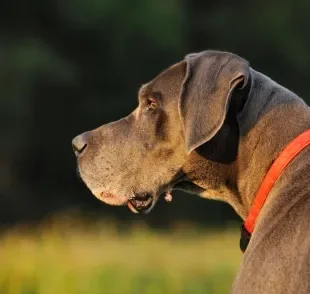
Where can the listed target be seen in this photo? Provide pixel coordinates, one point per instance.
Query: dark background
(70, 66)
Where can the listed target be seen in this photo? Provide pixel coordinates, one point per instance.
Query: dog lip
(132, 207)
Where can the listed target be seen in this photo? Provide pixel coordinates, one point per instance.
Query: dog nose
(79, 144)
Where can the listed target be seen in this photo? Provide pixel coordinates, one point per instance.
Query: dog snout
(79, 144)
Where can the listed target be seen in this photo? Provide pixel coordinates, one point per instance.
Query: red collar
(284, 158)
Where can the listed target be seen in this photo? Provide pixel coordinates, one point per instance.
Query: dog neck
(271, 118)
(266, 127)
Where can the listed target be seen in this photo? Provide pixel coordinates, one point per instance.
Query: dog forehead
(169, 80)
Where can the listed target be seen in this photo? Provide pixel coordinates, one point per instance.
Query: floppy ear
(211, 77)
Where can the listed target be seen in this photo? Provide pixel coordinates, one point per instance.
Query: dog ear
(211, 77)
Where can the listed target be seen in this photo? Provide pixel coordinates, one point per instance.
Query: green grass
(67, 257)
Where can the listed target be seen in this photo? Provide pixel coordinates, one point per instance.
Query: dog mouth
(140, 203)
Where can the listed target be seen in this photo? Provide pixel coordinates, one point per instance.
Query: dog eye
(152, 105)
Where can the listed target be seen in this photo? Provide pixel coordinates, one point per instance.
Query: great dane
(211, 125)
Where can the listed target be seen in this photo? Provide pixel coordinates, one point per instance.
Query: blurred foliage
(69, 66)
(67, 256)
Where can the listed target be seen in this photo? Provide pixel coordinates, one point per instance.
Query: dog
(211, 125)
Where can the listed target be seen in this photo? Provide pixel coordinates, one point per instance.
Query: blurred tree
(69, 66)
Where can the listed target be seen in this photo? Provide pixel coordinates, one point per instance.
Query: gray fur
(217, 127)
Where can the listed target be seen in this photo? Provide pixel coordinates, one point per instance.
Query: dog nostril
(79, 144)
(78, 151)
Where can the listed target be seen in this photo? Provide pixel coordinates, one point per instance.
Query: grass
(66, 256)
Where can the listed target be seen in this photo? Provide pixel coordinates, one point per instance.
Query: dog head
(134, 160)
